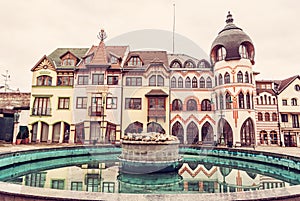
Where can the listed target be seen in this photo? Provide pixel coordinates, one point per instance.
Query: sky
(31, 29)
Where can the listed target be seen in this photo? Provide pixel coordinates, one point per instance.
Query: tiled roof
(282, 84)
(149, 56)
(156, 92)
(55, 55)
(11, 100)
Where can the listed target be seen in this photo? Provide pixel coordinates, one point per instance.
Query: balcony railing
(156, 113)
(95, 110)
(41, 111)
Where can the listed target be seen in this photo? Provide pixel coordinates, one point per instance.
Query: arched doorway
(155, 127)
(56, 132)
(34, 132)
(192, 133)
(207, 134)
(225, 136)
(135, 127)
(177, 130)
(44, 132)
(247, 133)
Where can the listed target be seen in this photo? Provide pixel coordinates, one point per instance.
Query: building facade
(101, 93)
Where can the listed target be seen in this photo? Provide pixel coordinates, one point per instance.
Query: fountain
(149, 153)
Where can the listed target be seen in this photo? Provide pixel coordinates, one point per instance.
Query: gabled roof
(44, 61)
(56, 54)
(148, 56)
(283, 84)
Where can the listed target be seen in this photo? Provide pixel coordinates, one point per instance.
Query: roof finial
(229, 18)
(102, 35)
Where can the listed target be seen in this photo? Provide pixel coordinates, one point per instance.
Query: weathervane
(102, 35)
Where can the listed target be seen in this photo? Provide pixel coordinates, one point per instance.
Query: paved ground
(4, 147)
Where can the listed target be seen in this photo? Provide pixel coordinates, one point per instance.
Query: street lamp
(16, 122)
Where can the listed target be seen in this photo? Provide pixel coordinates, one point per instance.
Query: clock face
(45, 67)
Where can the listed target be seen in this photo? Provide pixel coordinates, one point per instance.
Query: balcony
(157, 113)
(289, 126)
(96, 110)
(41, 111)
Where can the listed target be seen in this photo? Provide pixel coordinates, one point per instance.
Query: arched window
(173, 82)
(194, 82)
(274, 101)
(261, 100)
(251, 78)
(247, 133)
(217, 102)
(270, 102)
(191, 105)
(257, 101)
(248, 103)
(273, 137)
(160, 80)
(294, 101)
(267, 116)
(205, 105)
(226, 78)
(201, 64)
(176, 105)
(155, 127)
(274, 116)
(263, 137)
(240, 77)
(216, 81)
(259, 116)
(246, 77)
(220, 79)
(243, 52)
(189, 64)
(228, 101)
(221, 54)
(208, 82)
(207, 133)
(44, 80)
(175, 64)
(221, 102)
(177, 130)
(180, 82)
(187, 82)
(241, 101)
(202, 82)
(135, 127)
(152, 80)
(192, 133)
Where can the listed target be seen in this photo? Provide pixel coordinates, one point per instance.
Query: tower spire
(229, 18)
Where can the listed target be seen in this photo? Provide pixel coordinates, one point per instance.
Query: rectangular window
(98, 79)
(284, 117)
(41, 106)
(295, 121)
(35, 179)
(63, 103)
(133, 103)
(284, 102)
(112, 80)
(83, 80)
(76, 186)
(111, 103)
(92, 183)
(58, 184)
(133, 81)
(65, 80)
(81, 102)
(108, 187)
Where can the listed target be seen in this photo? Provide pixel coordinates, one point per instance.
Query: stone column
(50, 134)
(61, 136)
(39, 134)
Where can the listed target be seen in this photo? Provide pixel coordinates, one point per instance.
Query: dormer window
(189, 64)
(88, 59)
(113, 60)
(243, 52)
(135, 61)
(68, 62)
(221, 54)
(202, 64)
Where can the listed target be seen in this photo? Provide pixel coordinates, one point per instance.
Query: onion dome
(232, 43)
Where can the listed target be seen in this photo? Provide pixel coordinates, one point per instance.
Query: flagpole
(174, 29)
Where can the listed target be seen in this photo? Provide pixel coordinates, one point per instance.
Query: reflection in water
(191, 178)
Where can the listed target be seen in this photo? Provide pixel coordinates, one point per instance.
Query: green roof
(55, 55)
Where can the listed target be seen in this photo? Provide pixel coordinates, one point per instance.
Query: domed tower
(232, 57)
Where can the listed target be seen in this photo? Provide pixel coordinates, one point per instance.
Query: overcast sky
(33, 28)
